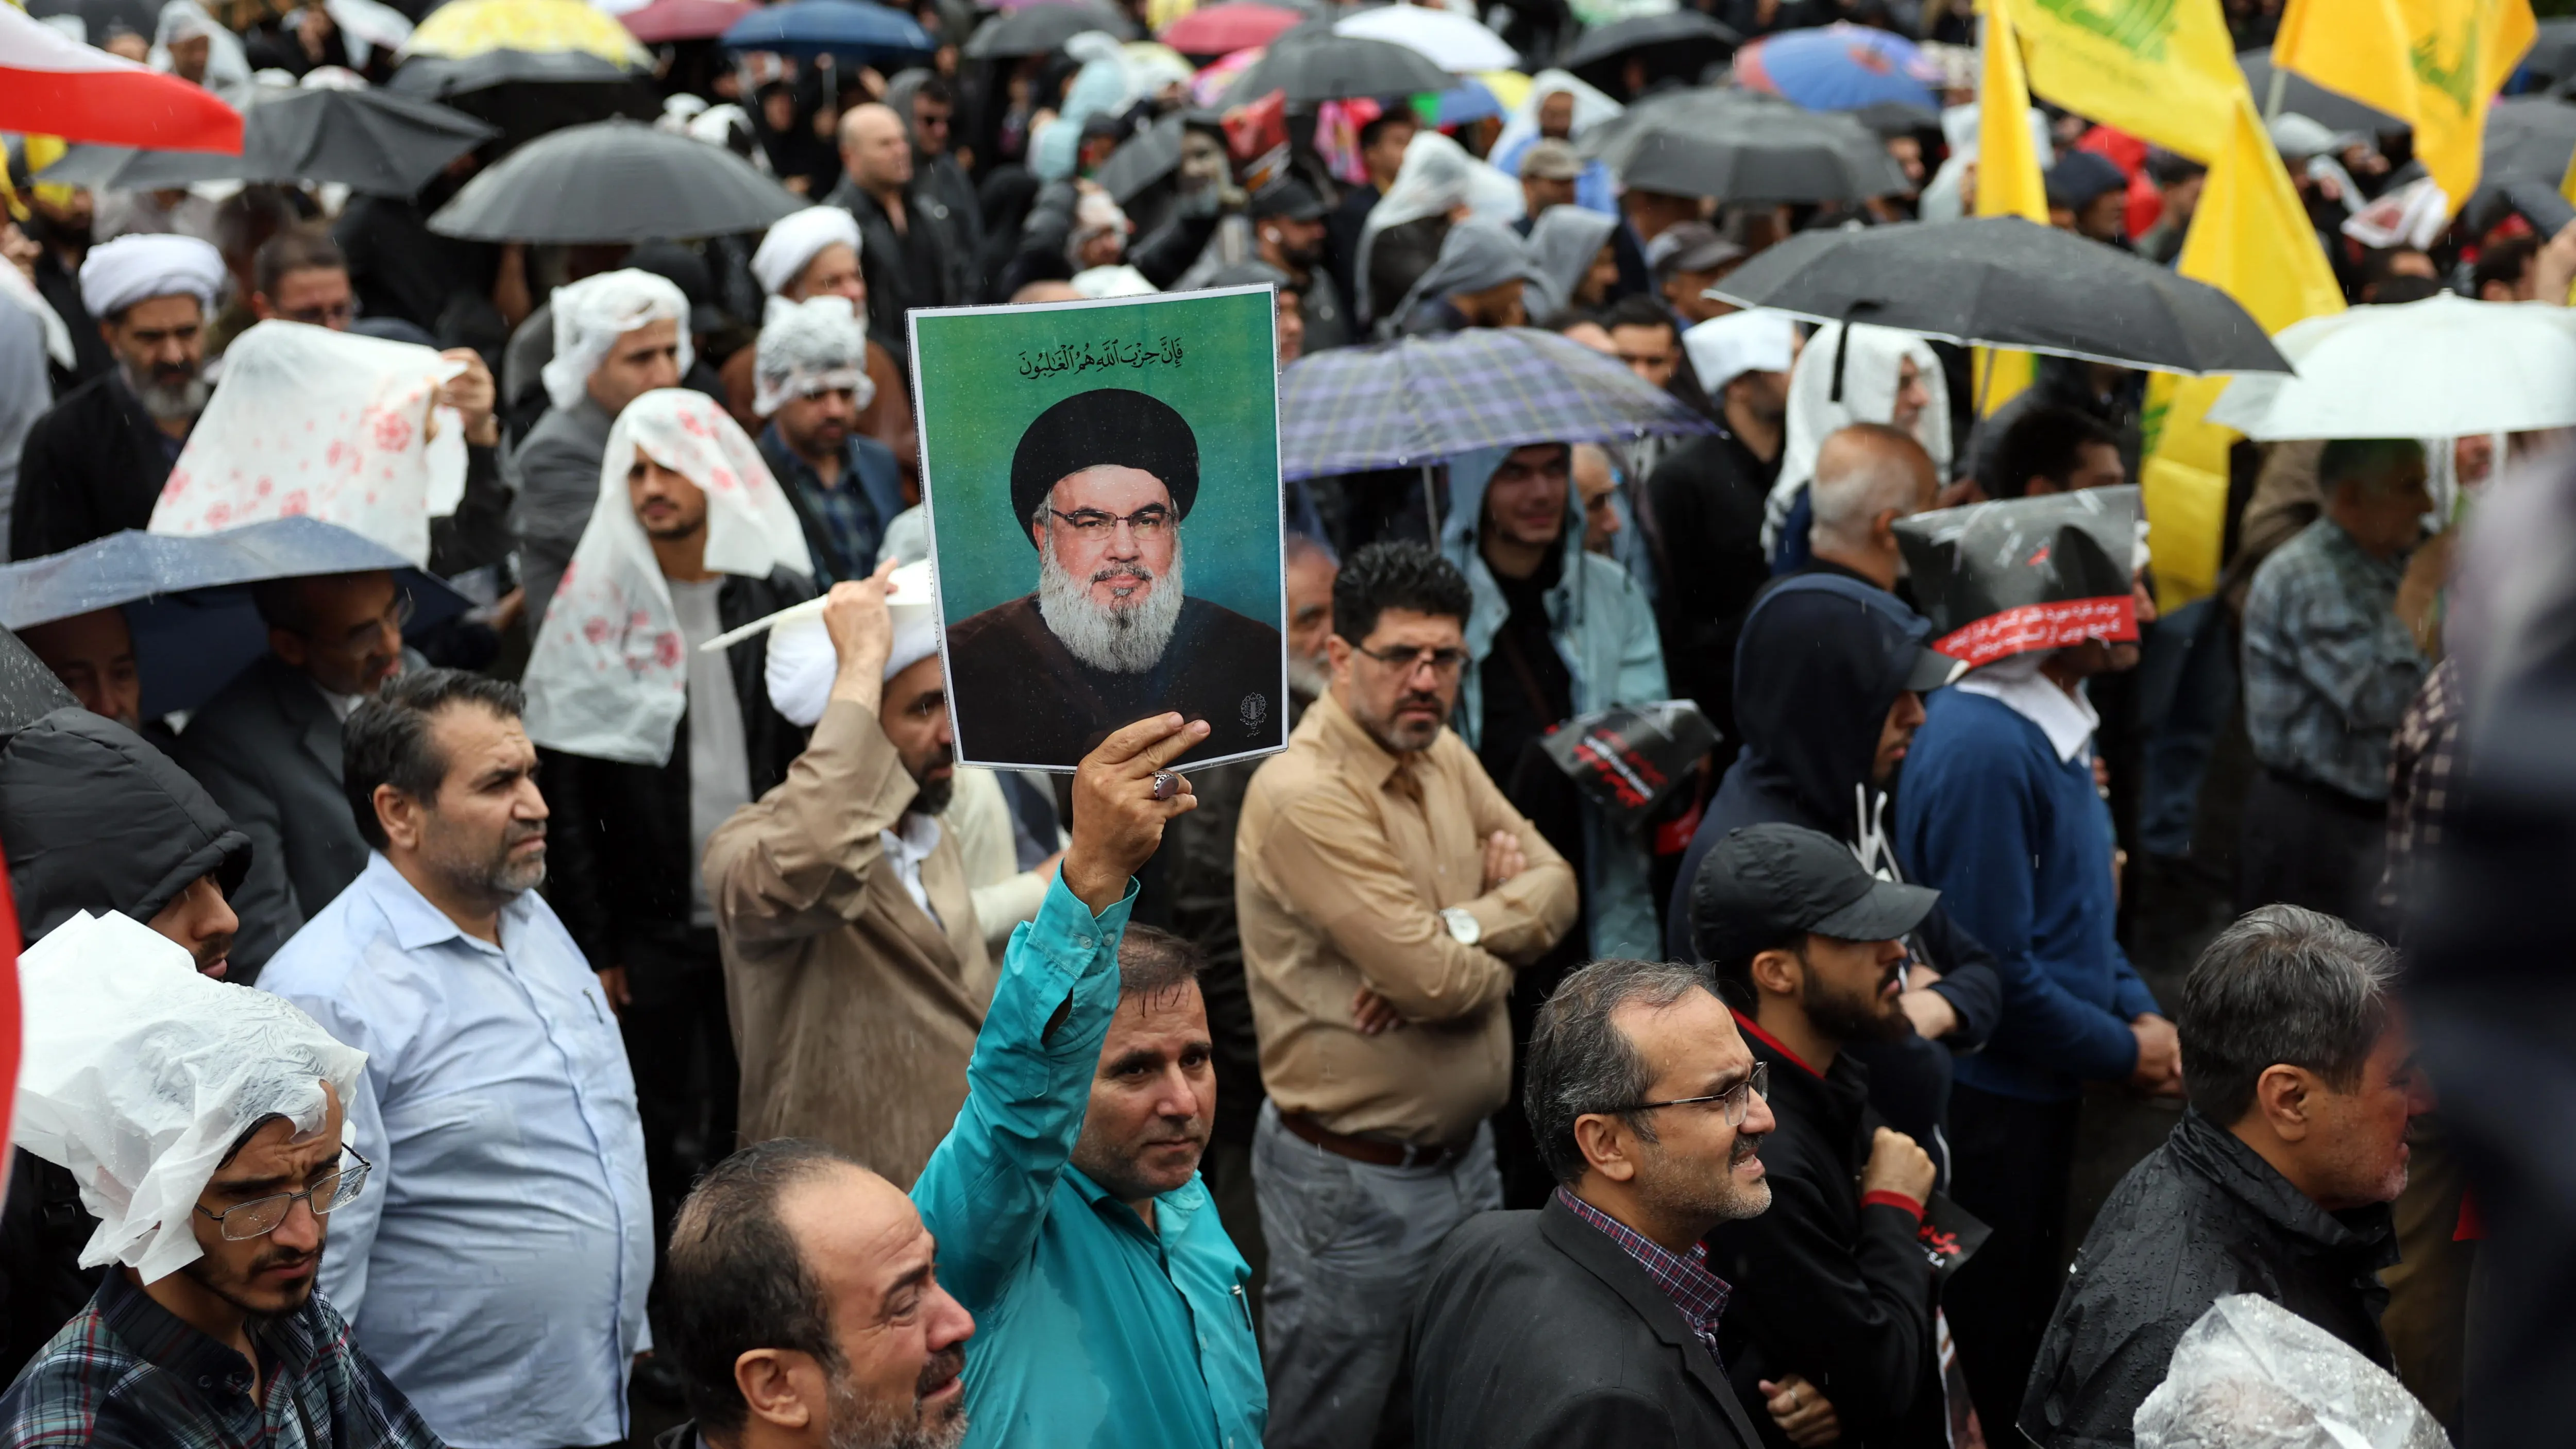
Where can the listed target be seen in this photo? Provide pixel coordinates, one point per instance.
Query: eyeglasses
(333, 314)
(1147, 522)
(366, 636)
(1443, 662)
(1735, 1101)
(260, 1216)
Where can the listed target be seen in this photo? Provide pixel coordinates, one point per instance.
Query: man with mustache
(1102, 482)
(805, 1310)
(93, 818)
(496, 1102)
(1831, 1324)
(228, 1104)
(627, 834)
(94, 464)
(1387, 895)
(1593, 1322)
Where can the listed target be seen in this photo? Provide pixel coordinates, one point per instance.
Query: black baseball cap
(1762, 884)
(1290, 198)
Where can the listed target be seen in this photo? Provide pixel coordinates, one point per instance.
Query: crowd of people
(575, 1047)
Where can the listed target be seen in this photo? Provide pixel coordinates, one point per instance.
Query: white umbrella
(2440, 368)
(1455, 43)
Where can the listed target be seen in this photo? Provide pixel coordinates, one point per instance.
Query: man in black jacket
(1832, 1325)
(627, 839)
(911, 248)
(1829, 679)
(1594, 1320)
(2277, 1180)
(94, 819)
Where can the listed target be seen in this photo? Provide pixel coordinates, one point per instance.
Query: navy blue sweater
(2019, 844)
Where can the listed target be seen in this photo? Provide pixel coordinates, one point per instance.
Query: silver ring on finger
(1793, 1401)
(1166, 784)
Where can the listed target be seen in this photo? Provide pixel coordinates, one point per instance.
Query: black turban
(1111, 426)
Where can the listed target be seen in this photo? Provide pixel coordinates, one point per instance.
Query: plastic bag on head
(806, 347)
(591, 314)
(140, 1075)
(2253, 1375)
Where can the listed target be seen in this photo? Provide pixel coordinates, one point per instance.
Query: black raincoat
(2200, 1218)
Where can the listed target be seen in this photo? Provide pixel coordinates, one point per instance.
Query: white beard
(1120, 638)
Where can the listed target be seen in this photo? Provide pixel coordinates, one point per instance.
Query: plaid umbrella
(1424, 400)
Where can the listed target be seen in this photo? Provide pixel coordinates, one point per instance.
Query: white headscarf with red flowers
(609, 675)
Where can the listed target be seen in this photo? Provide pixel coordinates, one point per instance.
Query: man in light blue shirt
(498, 1275)
(1071, 1220)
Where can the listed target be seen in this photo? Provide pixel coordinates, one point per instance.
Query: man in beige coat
(854, 969)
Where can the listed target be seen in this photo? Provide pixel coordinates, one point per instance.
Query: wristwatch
(1463, 926)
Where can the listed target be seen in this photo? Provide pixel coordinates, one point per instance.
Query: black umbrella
(1896, 118)
(1762, 153)
(1312, 64)
(2552, 57)
(101, 16)
(2529, 138)
(2334, 111)
(1142, 159)
(1613, 140)
(370, 141)
(530, 93)
(28, 690)
(614, 181)
(1043, 28)
(1683, 43)
(2000, 281)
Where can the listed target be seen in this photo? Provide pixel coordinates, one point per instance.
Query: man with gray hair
(1594, 1319)
(2276, 1182)
(1868, 476)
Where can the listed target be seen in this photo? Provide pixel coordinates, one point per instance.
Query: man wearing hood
(94, 819)
(1829, 682)
(1476, 282)
(1555, 631)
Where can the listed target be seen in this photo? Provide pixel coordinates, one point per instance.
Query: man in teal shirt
(1071, 1220)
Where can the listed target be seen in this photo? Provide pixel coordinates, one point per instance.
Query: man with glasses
(267, 746)
(167, 1087)
(500, 1276)
(1102, 482)
(1387, 895)
(1595, 1320)
(1832, 1328)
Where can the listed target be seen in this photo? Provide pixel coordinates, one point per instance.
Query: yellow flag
(2435, 64)
(2008, 181)
(2251, 239)
(2161, 70)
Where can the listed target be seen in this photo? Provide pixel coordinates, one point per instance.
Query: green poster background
(982, 380)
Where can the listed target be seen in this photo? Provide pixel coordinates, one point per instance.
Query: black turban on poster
(1113, 426)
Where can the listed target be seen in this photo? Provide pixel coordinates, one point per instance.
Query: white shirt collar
(2068, 719)
(906, 847)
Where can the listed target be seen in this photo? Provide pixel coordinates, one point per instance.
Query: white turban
(796, 239)
(802, 662)
(608, 677)
(130, 269)
(1722, 349)
(809, 347)
(141, 1075)
(591, 314)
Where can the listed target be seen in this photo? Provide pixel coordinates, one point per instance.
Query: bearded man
(1103, 481)
(94, 464)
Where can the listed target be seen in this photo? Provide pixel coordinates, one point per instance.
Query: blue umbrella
(1839, 68)
(1472, 100)
(845, 29)
(188, 599)
(1423, 400)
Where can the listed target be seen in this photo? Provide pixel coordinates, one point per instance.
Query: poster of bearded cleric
(1102, 481)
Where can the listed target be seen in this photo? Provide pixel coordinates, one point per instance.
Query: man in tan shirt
(1387, 892)
(854, 969)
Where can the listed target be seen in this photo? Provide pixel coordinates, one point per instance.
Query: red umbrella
(52, 85)
(668, 20)
(1221, 29)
